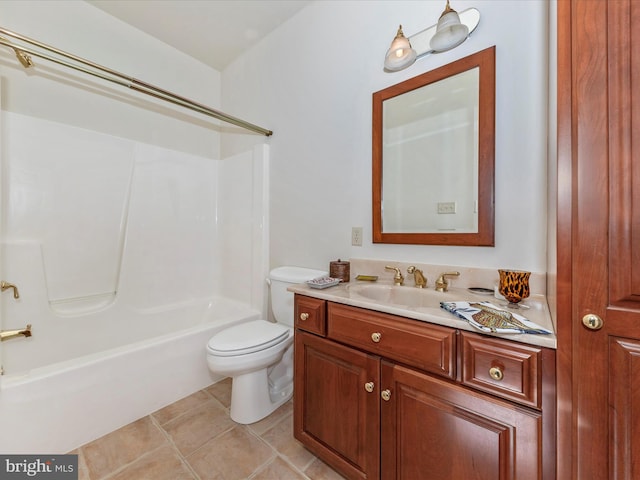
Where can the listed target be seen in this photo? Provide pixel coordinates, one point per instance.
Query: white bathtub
(57, 408)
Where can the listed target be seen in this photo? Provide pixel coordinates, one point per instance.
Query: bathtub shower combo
(127, 258)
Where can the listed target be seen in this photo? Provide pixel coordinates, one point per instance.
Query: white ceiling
(212, 31)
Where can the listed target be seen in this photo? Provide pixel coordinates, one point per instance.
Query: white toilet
(258, 355)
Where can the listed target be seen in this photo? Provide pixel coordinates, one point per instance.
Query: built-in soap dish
(367, 278)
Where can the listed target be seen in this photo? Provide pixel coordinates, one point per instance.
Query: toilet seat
(247, 338)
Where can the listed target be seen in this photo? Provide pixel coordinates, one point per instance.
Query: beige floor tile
(221, 391)
(116, 449)
(197, 426)
(281, 438)
(269, 422)
(161, 464)
(278, 469)
(318, 470)
(209, 443)
(234, 455)
(176, 409)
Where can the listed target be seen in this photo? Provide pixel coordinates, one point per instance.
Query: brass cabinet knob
(304, 316)
(592, 322)
(376, 336)
(496, 373)
(369, 386)
(386, 395)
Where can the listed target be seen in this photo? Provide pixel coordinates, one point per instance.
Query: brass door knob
(376, 336)
(496, 373)
(386, 395)
(592, 322)
(304, 316)
(369, 386)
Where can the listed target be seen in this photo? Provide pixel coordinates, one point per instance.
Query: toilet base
(252, 399)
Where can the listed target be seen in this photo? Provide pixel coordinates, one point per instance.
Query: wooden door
(438, 430)
(599, 239)
(336, 405)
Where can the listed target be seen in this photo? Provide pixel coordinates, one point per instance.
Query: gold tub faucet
(6, 285)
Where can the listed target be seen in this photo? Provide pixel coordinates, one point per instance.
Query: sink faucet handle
(398, 279)
(441, 283)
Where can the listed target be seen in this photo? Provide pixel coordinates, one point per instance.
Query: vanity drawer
(507, 369)
(309, 314)
(419, 344)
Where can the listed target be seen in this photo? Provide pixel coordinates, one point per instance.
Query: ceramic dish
(323, 282)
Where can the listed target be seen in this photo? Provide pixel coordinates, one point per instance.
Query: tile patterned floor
(195, 439)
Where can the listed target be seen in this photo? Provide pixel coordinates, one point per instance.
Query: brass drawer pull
(304, 316)
(386, 395)
(496, 373)
(376, 336)
(369, 386)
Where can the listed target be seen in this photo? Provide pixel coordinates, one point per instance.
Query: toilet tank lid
(295, 274)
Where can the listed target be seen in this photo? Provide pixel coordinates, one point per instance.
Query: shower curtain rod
(23, 54)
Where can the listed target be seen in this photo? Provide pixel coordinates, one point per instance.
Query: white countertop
(344, 293)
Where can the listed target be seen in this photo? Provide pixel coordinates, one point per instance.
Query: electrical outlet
(356, 236)
(446, 207)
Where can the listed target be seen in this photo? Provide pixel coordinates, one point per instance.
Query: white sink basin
(404, 296)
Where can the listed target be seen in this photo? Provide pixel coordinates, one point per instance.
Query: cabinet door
(438, 430)
(336, 405)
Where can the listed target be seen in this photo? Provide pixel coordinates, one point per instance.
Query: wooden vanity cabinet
(335, 416)
(435, 429)
(371, 408)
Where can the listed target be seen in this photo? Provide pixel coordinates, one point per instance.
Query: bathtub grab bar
(9, 334)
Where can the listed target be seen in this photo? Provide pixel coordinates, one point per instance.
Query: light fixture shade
(400, 54)
(450, 32)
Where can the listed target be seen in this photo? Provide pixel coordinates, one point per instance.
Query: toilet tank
(281, 300)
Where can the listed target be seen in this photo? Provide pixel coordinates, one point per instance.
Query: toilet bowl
(258, 355)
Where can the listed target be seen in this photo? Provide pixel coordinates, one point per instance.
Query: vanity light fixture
(451, 30)
(400, 54)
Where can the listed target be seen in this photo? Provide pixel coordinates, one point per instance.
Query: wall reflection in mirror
(433, 148)
(432, 129)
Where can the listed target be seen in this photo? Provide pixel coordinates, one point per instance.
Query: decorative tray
(323, 282)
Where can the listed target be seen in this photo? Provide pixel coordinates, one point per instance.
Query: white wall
(61, 95)
(311, 82)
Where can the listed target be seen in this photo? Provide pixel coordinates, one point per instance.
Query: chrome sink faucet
(418, 276)
(398, 279)
(441, 283)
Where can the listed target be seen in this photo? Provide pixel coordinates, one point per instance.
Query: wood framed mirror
(433, 156)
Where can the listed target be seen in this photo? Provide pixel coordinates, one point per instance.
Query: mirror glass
(433, 149)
